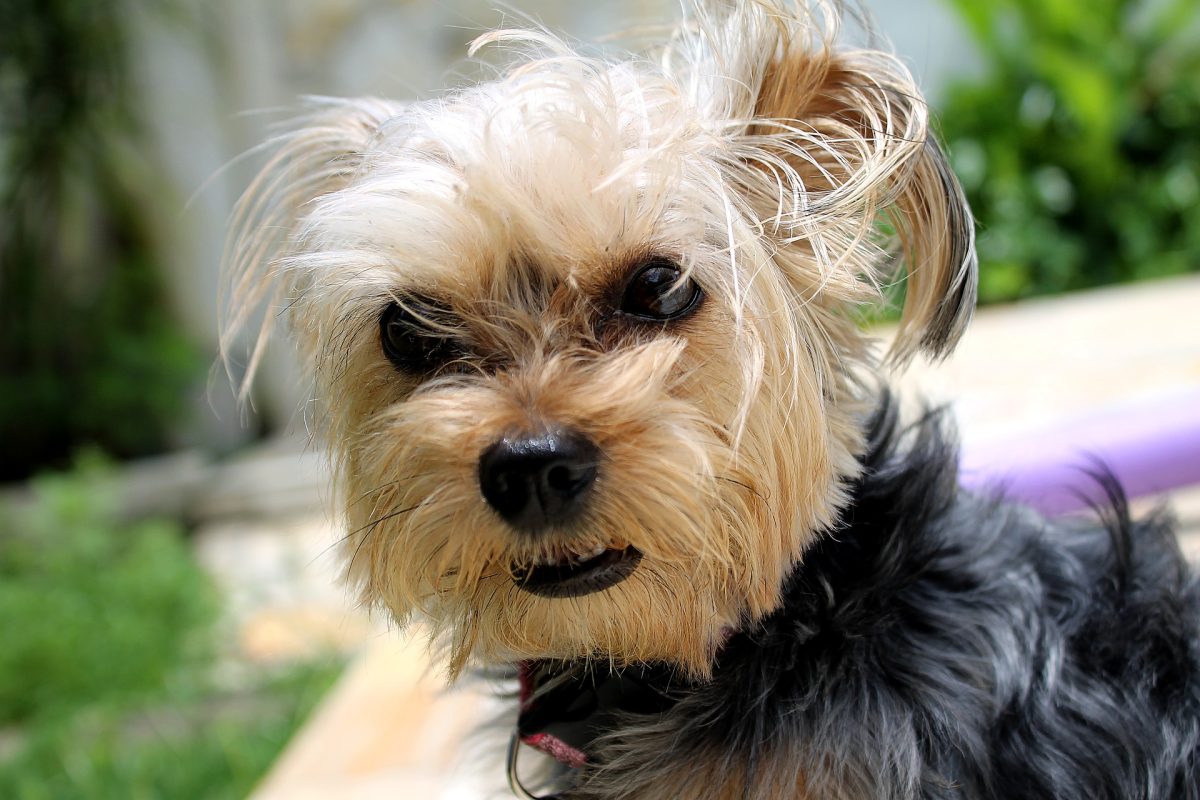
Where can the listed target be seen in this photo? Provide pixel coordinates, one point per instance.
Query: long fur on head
(753, 153)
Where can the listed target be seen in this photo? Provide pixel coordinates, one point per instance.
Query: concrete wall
(215, 82)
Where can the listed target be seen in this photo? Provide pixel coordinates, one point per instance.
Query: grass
(108, 679)
(212, 745)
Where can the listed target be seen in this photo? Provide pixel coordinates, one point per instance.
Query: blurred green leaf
(107, 682)
(90, 608)
(89, 349)
(1077, 148)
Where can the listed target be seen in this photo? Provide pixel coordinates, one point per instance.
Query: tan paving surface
(389, 730)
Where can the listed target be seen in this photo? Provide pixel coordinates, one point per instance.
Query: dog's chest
(633, 734)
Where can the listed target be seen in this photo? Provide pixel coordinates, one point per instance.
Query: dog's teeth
(568, 556)
(587, 555)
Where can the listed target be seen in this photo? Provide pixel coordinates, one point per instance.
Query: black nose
(537, 481)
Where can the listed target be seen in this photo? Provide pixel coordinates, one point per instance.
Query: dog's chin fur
(754, 155)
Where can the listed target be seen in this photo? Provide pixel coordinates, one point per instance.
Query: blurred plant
(1080, 147)
(107, 680)
(90, 608)
(212, 748)
(87, 348)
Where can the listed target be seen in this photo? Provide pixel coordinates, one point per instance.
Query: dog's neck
(568, 707)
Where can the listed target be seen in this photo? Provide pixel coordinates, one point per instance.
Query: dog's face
(583, 338)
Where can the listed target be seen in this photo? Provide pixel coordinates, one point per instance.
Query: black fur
(944, 645)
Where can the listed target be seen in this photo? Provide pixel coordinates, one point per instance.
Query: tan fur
(706, 777)
(754, 154)
(632, 769)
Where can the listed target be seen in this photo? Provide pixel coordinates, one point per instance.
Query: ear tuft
(937, 242)
(831, 141)
(320, 154)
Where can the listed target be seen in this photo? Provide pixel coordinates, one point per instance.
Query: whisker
(372, 525)
(383, 486)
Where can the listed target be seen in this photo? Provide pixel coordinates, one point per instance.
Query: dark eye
(656, 292)
(413, 337)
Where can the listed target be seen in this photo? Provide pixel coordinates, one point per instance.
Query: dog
(585, 346)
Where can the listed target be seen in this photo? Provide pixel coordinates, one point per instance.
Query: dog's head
(584, 338)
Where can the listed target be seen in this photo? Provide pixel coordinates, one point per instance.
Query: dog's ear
(319, 154)
(937, 236)
(844, 143)
(857, 136)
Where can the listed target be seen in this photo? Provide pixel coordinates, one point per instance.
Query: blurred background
(168, 608)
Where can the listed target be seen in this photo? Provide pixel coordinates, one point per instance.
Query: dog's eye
(411, 338)
(657, 292)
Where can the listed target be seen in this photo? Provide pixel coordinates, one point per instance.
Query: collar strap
(566, 707)
(514, 781)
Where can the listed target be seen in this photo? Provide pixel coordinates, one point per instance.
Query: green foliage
(107, 685)
(88, 349)
(211, 748)
(1080, 148)
(90, 609)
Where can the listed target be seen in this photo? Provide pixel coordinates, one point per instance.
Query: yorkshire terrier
(587, 348)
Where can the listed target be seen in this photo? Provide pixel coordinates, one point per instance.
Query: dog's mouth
(569, 574)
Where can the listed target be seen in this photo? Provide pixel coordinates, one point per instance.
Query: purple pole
(1151, 446)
